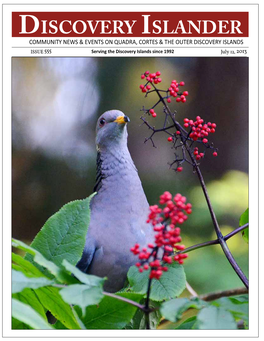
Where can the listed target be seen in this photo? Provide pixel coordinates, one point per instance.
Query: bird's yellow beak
(122, 119)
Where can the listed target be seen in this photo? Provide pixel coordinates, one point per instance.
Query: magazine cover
(130, 153)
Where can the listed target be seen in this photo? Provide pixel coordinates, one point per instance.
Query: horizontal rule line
(126, 47)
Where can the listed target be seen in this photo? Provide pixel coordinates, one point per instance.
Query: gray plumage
(119, 210)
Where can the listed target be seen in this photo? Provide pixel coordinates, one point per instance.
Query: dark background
(55, 105)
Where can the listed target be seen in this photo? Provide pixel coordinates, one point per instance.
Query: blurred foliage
(55, 105)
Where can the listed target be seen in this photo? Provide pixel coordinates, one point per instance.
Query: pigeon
(119, 210)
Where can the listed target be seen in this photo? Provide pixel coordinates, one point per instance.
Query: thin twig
(124, 299)
(191, 290)
(226, 293)
(215, 241)
(231, 234)
(147, 311)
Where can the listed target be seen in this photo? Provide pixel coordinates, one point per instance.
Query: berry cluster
(185, 138)
(199, 132)
(167, 237)
(150, 78)
(199, 128)
(173, 90)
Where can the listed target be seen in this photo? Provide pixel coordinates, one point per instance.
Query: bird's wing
(87, 256)
(99, 175)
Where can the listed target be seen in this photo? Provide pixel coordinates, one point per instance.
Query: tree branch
(214, 242)
(124, 299)
(226, 293)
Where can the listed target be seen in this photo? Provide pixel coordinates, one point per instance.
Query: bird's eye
(102, 122)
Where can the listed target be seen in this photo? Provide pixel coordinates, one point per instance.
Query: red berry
(154, 114)
(168, 100)
(181, 83)
(213, 125)
(148, 87)
(141, 86)
(205, 140)
(158, 73)
(147, 73)
(185, 93)
(143, 76)
(186, 125)
(179, 169)
(186, 120)
(178, 99)
(183, 100)
(151, 111)
(180, 247)
(144, 90)
(214, 153)
(178, 132)
(170, 139)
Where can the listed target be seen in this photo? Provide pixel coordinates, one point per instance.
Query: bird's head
(111, 129)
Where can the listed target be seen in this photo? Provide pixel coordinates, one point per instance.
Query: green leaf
(20, 282)
(237, 306)
(215, 318)
(172, 310)
(59, 325)
(170, 285)
(28, 315)
(59, 273)
(28, 296)
(111, 313)
(187, 324)
(16, 324)
(82, 295)
(90, 280)
(242, 221)
(52, 301)
(26, 267)
(63, 235)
